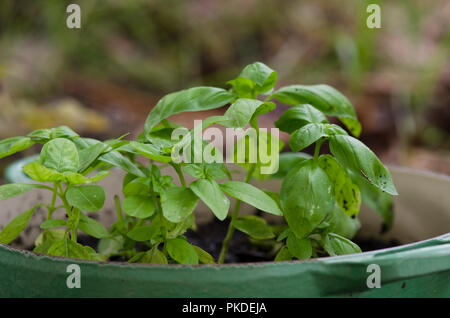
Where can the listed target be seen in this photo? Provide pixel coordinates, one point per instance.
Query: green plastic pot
(419, 268)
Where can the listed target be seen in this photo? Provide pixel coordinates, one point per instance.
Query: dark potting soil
(210, 236)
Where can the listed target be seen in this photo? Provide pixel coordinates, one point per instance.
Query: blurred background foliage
(103, 79)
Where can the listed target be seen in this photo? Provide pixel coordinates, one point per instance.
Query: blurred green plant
(163, 46)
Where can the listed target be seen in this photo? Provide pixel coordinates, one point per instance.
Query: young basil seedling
(65, 168)
(319, 199)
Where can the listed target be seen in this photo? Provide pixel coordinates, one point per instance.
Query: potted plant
(316, 203)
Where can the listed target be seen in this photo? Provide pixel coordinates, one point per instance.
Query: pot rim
(441, 239)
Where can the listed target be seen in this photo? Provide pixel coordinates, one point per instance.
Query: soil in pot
(242, 250)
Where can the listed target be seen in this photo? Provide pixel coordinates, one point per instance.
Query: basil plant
(317, 205)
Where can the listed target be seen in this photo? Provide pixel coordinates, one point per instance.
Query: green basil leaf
(216, 171)
(298, 116)
(117, 142)
(381, 202)
(44, 135)
(263, 109)
(90, 154)
(195, 169)
(348, 196)
(141, 233)
(137, 257)
(160, 227)
(110, 245)
(332, 129)
(154, 256)
(287, 161)
(127, 179)
(139, 206)
(189, 100)
(240, 113)
(68, 248)
(92, 227)
(178, 203)
(48, 224)
(251, 195)
(116, 159)
(60, 155)
(77, 178)
(40, 135)
(46, 239)
(99, 176)
(162, 138)
(137, 186)
(305, 136)
(210, 193)
(283, 235)
(88, 198)
(263, 76)
(13, 229)
(181, 227)
(182, 252)
(299, 248)
(94, 255)
(203, 256)
(83, 143)
(275, 196)
(150, 151)
(255, 227)
(128, 148)
(283, 255)
(208, 121)
(337, 245)
(357, 157)
(40, 173)
(310, 133)
(352, 124)
(323, 97)
(161, 183)
(62, 132)
(306, 197)
(10, 146)
(342, 224)
(14, 189)
(244, 87)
